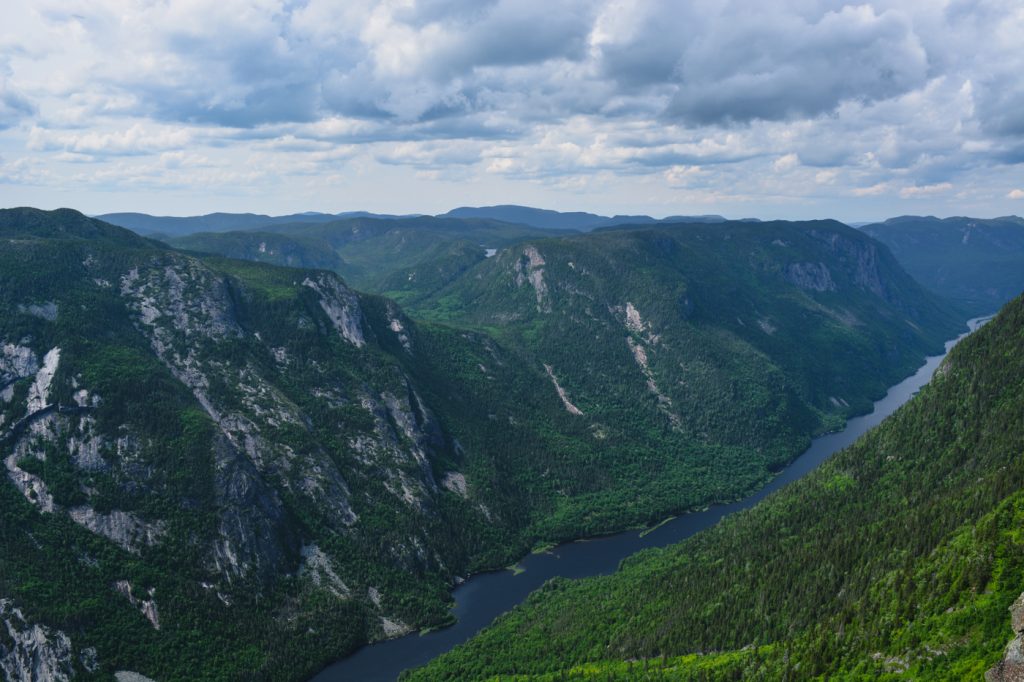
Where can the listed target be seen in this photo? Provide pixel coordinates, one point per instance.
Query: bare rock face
(31, 652)
(861, 258)
(1011, 668)
(530, 268)
(254, 533)
(813, 276)
(147, 607)
(16, 362)
(341, 305)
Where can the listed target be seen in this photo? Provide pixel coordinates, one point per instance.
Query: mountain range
(174, 226)
(977, 263)
(226, 469)
(521, 215)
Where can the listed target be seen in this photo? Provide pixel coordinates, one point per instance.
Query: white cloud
(794, 102)
(873, 190)
(1015, 194)
(925, 190)
(137, 139)
(787, 162)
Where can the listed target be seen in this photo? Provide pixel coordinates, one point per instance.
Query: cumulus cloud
(795, 99)
(14, 106)
(745, 63)
(925, 190)
(135, 140)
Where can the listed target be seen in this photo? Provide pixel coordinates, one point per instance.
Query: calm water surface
(483, 597)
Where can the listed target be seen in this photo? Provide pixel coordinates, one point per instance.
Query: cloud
(789, 100)
(925, 190)
(14, 105)
(873, 190)
(762, 64)
(136, 140)
(1015, 194)
(785, 163)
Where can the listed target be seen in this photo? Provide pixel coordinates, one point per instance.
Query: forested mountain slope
(213, 465)
(213, 457)
(979, 263)
(691, 361)
(405, 258)
(897, 559)
(767, 301)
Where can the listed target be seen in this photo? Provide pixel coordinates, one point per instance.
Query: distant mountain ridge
(572, 220)
(175, 226)
(403, 257)
(976, 262)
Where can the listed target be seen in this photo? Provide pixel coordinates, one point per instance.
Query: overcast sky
(796, 109)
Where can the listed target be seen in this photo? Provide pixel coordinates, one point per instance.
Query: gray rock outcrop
(32, 652)
(1011, 667)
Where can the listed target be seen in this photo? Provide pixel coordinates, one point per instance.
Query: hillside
(405, 258)
(219, 464)
(679, 302)
(978, 263)
(712, 353)
(897, 559)
(176, 226)
(566, 220)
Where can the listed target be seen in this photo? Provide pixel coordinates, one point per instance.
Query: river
(483, 597)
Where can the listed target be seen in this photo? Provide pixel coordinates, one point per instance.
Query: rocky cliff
(1011, 667)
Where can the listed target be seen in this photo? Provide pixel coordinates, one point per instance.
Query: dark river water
(483, 597)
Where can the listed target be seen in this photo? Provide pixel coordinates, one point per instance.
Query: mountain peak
(56, 224)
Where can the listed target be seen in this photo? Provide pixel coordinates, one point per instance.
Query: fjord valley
(899, 558)
(745, 385)
(225, 469)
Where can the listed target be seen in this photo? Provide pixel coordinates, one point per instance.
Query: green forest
(898, 558)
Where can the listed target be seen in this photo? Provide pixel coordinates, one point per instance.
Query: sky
(797, 109)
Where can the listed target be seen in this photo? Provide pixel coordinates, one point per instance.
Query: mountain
(264, 247)
(558, 220)
(169, 226)
(219, 222)
(223, 469)
(730, 343)
(896, 559)
(404, 258)
(978, 263)
(786, 293)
